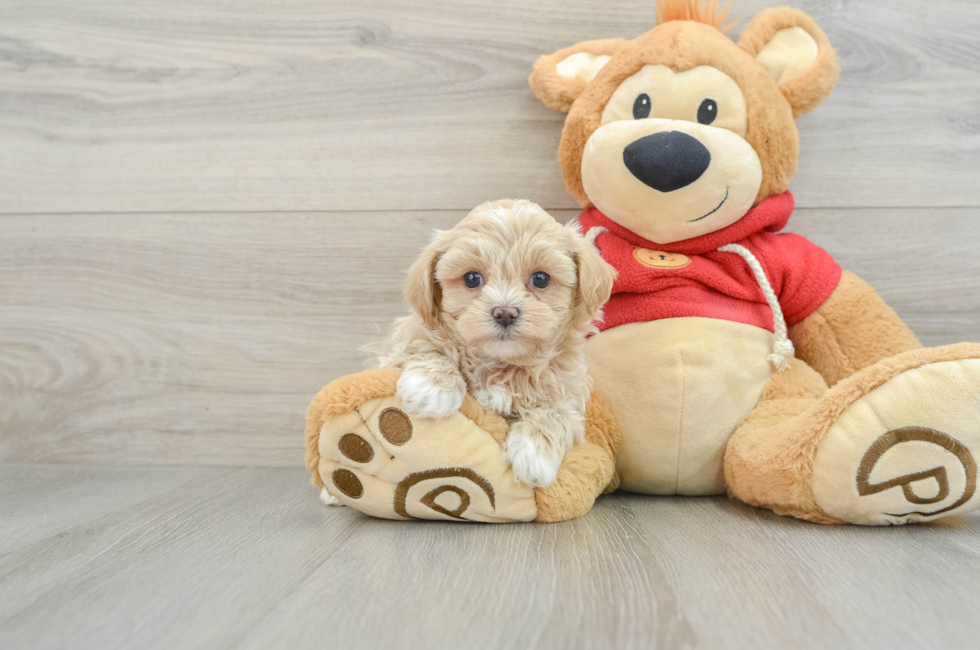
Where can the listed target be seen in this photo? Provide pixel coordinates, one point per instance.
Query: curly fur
(534, 373)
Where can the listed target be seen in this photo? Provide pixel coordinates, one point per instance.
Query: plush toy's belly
(679, 387)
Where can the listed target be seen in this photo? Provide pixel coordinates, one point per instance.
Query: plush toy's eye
(472, 280)
(641, 107)
(708, 111)
(540, 280)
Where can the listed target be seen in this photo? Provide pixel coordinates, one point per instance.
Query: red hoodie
(692, 278)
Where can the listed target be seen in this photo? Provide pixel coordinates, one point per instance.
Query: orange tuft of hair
(695, 10)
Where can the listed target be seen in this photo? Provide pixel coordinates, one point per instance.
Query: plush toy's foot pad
(384, 463)
(906, 451)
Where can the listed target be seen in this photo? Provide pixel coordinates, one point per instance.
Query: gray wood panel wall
(206, 208)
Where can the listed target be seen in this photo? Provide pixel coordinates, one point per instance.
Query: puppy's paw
(532, 466)
(422, 399)
(494, 398)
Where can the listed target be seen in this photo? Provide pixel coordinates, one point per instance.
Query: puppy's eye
(641, 107)
(472, 280)
(540, 280)
(708, 111)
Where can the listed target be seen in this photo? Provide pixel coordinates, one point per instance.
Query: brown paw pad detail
(483, 489)
(355, 448)
(380, 461)
(918, 434)
(348, 483)
(395, 426)
(464, 500)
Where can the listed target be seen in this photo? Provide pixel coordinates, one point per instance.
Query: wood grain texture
(38, 503)
(207, 207)
(248, 558)
(201, 338)
(202, 105)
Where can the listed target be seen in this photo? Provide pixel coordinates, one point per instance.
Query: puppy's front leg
(538, 441)
(431, 387)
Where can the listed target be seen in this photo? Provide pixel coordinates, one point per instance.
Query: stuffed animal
(732, 357)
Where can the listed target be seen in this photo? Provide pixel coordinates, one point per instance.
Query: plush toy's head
(679, 132)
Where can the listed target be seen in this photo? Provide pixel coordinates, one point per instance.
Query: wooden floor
(191, 557)
(207, 207)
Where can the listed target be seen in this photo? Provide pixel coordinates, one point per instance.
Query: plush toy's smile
(713, 211)
(667, 141)
(670, 180)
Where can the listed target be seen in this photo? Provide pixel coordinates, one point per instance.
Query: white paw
(494, 398)
(531, 467)
(422, 399)
(329, 499)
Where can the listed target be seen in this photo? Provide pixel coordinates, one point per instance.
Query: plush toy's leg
(852, 330)
(894, 443)
(370, 455)
(764, 465)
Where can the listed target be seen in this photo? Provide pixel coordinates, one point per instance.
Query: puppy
(503, 303)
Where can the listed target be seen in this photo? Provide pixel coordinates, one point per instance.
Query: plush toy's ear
(790, 46)
(422, 291)
(595, 277)
(559, 78)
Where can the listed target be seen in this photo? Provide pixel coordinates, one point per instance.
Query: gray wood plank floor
(249, 558)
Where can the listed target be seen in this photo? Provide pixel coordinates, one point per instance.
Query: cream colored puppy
(503, 303)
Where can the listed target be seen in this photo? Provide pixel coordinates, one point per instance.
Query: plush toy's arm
(852, 330)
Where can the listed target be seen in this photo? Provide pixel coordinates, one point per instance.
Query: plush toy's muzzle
(669, 180)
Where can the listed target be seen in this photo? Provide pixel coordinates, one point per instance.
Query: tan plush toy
(732, 358)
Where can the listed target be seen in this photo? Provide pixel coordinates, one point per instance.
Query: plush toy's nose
(667, 161)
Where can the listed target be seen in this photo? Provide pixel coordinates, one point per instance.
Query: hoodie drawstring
(783, 347)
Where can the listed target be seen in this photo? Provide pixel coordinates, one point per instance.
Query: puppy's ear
(559, 78)
(796, 53)
(422, 291)
(595, 277)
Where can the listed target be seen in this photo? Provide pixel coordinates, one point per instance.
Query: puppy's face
(509, 281)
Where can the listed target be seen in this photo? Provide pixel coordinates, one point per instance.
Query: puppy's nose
(505, 316)
(667, 161)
